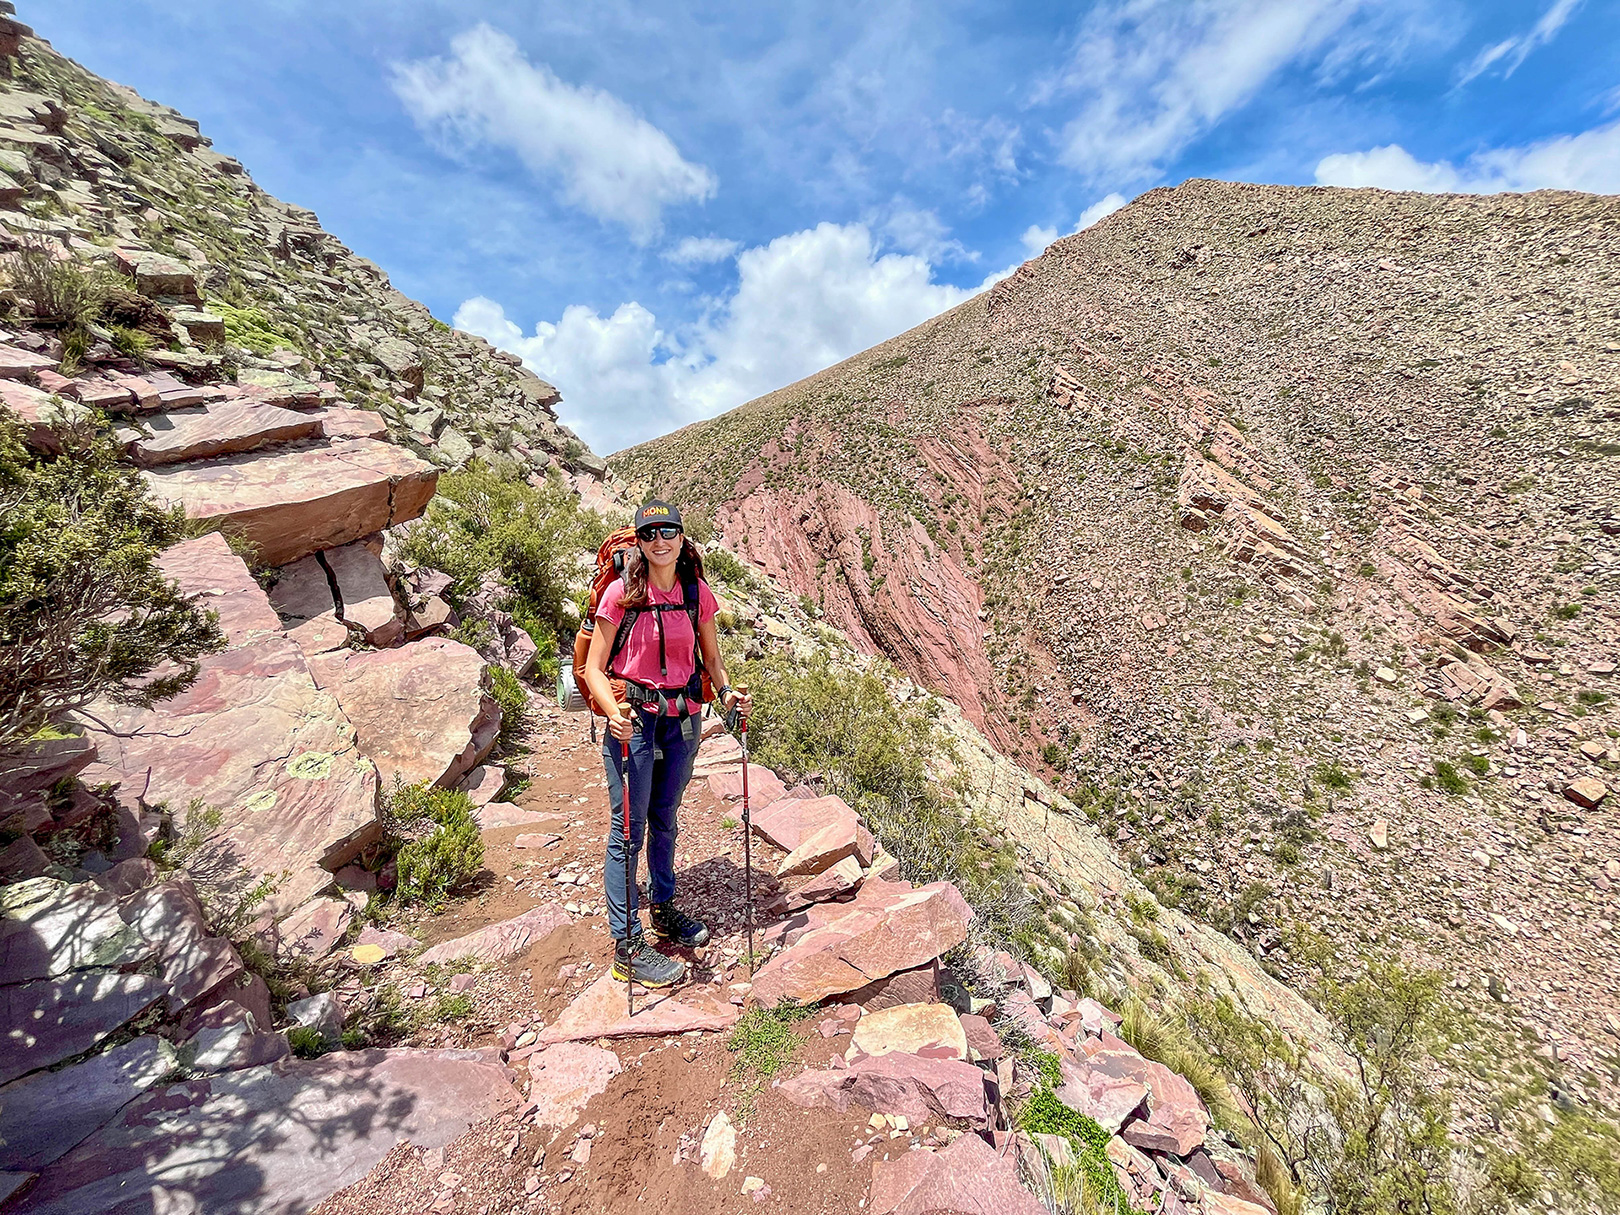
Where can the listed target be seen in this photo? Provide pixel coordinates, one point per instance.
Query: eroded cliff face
(1281, 525)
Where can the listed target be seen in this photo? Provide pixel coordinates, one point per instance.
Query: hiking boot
(637, 959)
(670, 923)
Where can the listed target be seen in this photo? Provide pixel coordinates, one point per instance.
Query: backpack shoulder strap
(631, 615)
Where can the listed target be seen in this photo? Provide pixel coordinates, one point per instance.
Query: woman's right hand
(621, 727)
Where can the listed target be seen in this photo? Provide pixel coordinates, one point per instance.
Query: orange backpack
(610, 567)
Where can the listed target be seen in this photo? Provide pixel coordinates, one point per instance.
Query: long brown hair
(688, 565)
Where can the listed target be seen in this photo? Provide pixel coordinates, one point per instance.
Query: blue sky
(668, 209)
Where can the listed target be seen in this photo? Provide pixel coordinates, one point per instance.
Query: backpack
(610, 567)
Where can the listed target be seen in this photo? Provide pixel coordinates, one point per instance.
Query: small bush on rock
(447, 850)
(513, 698)
(85, 613)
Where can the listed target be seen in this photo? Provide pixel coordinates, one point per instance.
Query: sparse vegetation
(763, 1040)
(440, 848)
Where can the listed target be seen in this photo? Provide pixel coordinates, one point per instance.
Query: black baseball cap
(656, 512)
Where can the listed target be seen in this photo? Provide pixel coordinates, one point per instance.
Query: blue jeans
(661, 758)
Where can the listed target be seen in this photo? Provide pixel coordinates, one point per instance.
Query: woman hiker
(664, 592)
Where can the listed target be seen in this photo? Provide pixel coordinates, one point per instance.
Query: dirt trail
(645, 1128)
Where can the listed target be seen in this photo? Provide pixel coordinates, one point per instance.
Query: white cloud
(802, 302)
(700, 250)
(912, 230)
(612, 163)
(1589, 161)
(1102, 207)
(1036, 238)
(1153, 75)
(1516, 49)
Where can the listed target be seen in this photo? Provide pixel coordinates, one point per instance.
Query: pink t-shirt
(638, 660)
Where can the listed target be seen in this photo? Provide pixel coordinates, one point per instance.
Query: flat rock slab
(484, 783)
(214, 577)
(421, 711)
(503, 940)
(565, 1077)
(48, 928)
(1110, 1101)
(219, 429)
(340, 422)
(273, 1140)
(786, 821)
(915, 1087)
(314, 930)
(504, 814)
(889, 927)
(968, 1178)
(16, 364)
(764, 786)
(837, 881)
(1177, 1119)
(387, 940)
(303, 592)
(255, 738)
(362, 585)
(293, 503)
(45, 1115)
(599, 1012)
(913, 1029)
(49, 1020)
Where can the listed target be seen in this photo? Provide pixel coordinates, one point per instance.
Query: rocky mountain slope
(252, 285)
(1279, 527)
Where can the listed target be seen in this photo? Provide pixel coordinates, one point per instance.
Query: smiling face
(660, 552)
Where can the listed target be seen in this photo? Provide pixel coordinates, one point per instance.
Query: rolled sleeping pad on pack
(569, 696)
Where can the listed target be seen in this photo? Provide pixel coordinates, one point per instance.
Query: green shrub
(1448, 778)
(513, 698)
(448, 850)
(487, 521)
(1479, 765)
(721, 566)
(306, 1041)
(85, 614)
(763, 1041)
(252, 330)
(1333, 775)
(1097, 1187)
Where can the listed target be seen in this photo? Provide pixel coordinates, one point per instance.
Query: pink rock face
(916, 1087)
(929, 1030)
(338, 422)
(1110, 1100)
(599, 1012)
(764, 786)
(1229, 1204)
(505, 814)
(1176, 1115)
(319, 635)
(255, 738)
(841, 879)
(982, 1039)
(303, 591)
(223, 428)
(279, 1137)
(363, 586)
(50, 1020)
(888, 927)
(294, 503)
(967, 1178)
(313, 930)
(42, 415)
(214, 577)
(503, 940)
(484, 784)
(819, 851)
(47, 1113)
(788, 820)
(421, 710)
(565, 1077)
(18, 364)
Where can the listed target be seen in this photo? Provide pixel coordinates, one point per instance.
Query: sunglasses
(662, 531)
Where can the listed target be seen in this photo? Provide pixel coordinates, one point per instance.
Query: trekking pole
(748, 850)
(629, 878)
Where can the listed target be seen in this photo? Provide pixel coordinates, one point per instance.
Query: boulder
(219, 429)
(501, 941)
(968, 1178)
(421, 711)
(1110, 1101)
(255, 738)
(564, 1077)
(387, 940)
(820, 850)
(212, 576)
(16, 364)
(313, 930)
(919, 985)
(599, 1012)
(273, 1139)
(293, 503)
(889, 927)
(764, 786)
(484, 784)
(229, 1048)
(303, 591)
(1176, 1116)
(45, 1115)
(366, 600)
(786, 821)
(930, 1030)
(320, 1012)
(983, 1041)
(839, 880)
(49, 1020)
(916, 1087)
(1586, 792)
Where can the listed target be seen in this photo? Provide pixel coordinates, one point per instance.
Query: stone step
(292, 503)
(220, 429)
